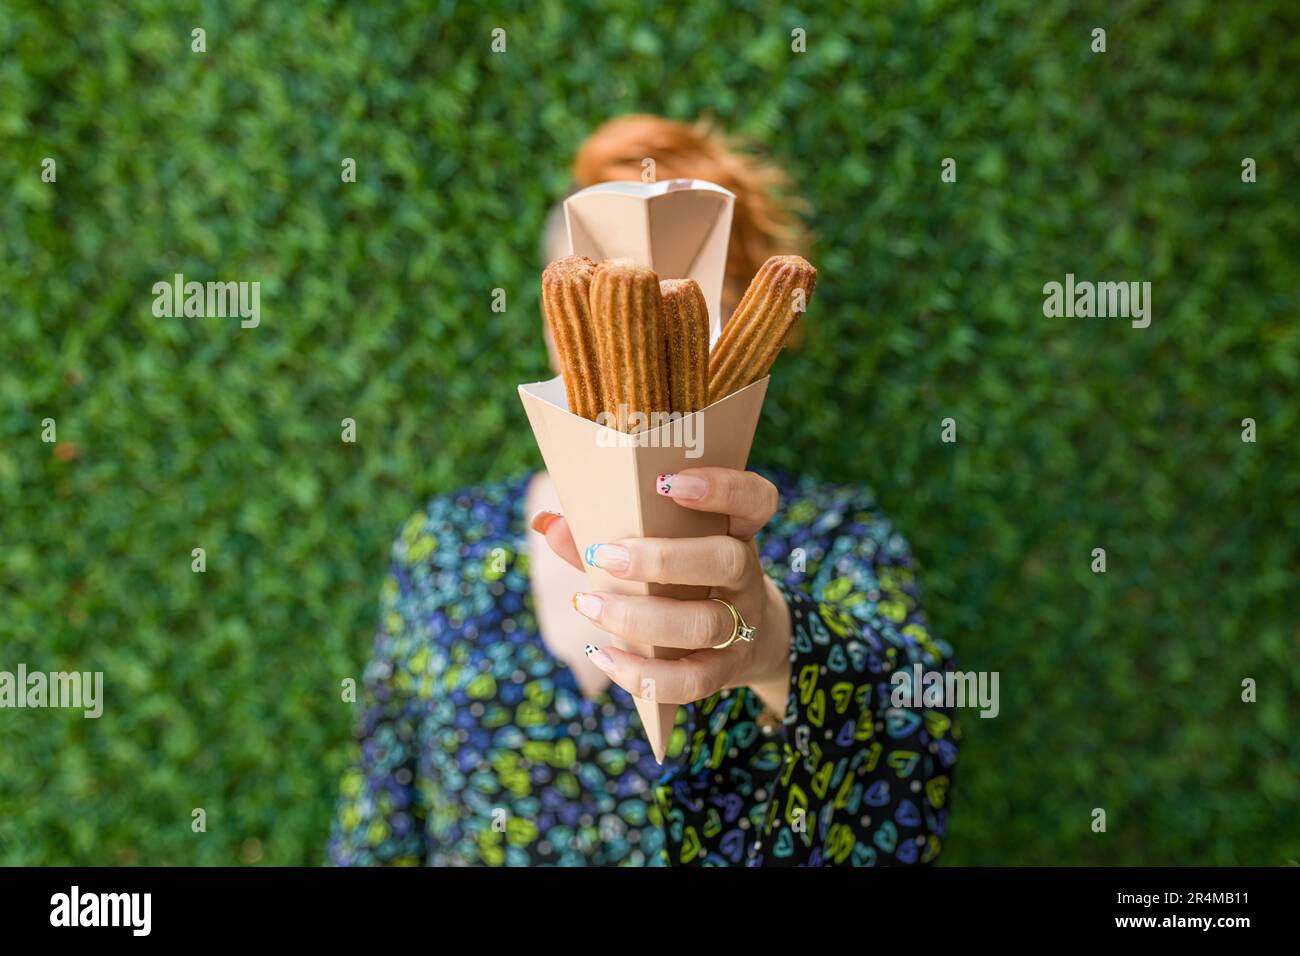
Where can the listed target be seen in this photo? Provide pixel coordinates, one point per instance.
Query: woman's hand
(728, 563)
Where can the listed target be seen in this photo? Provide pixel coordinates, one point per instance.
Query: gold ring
(740, 630)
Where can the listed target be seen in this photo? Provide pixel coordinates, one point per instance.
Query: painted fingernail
(682, 487)
(588, 605)
(607, 557)
(600, 658)
(543, 520)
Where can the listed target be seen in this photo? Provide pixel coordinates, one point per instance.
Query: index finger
(748, 498)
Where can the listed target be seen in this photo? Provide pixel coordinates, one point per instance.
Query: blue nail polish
(590, 555)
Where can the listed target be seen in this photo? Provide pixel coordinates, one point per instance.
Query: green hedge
(1119, 691)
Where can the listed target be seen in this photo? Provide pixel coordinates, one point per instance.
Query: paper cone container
(605, 478)
(606, 483)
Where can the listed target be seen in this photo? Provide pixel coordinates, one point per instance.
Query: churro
(753, 337)
(626, 307)
(686, 344)
(566, 291)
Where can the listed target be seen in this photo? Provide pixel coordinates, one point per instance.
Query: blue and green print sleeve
(848, 778)
(380, 818)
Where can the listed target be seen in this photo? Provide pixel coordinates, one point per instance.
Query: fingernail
(682, 487)
(600, 658)
(588, 605)
(543, 520)
(607, 557)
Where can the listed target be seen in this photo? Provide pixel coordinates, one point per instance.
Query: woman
(499, 726)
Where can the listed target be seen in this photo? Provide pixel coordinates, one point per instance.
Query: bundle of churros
(634, 349)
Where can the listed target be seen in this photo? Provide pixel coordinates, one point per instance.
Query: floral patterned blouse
(476, 746)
